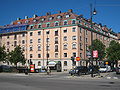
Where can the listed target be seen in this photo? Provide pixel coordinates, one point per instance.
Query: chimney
(18, 18)
(59, 12)
(48, 13)
(26, 17)
(70, 10)
(34, 16)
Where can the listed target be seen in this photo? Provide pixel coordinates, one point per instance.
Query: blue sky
(108, 11)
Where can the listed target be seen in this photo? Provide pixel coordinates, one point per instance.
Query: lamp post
(93, 12)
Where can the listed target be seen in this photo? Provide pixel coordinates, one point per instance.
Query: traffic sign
(95, 54)
(77, 58)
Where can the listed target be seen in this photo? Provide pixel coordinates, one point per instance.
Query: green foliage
(100, 47)
(17, 56)
(113, 51)
(2, 54)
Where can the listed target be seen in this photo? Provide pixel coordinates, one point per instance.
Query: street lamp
(93, 12)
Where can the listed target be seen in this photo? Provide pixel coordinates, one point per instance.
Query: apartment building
(54, 38)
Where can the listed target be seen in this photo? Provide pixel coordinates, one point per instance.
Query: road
(55, 82)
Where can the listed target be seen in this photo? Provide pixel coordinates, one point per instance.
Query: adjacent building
(54, 38)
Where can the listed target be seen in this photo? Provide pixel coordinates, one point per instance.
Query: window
(31, 33)
(31, 56)
(31, 27)
(47, 40)
(39, 32)
(65, 63)
(56, 48)
(81, 55)
(56, 55)
(15, 37)
(56, 40)
(86, 40)
(23, 41)
(73, 21)
(86, 32)
(31, 41)
(39, 26)
(74, 46)
(39, 48)
(80, 46)
(23, 35)
(47, 32)
(65, 47)
(23, 48)
(65, 22)
(47, 55)
(8, 50)
(8, 43)
(65, 31)
(56, 33)
(15, 43)
(47, 48)
(74, 38)
(43, 19)
(80, 30)
(39, 55)
(48, 25)
(39, 63)
(74, 29)
(31, 48)
(87, 47)
(56, 24)
(39, 40)
(65, 38)
(65, 54)
(7, 37)
(80, 38)
(74, 54)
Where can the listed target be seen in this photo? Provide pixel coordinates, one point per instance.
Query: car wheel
(79, 73)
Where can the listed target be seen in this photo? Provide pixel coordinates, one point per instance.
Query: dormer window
(50, 18)
(67, 16)
(26, 21)
(43, 19)
(19, 22)
(34, 20)
(59, 17)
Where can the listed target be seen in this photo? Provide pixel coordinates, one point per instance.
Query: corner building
(54, 38)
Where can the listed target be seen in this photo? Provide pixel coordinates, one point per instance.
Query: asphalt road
(24, 82)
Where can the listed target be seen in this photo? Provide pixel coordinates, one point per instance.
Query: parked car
(95, 69)
(118, 70)
(105, 69)
(79, 70)
(5, 68)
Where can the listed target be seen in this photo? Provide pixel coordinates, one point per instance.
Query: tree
(16, 56)
(2, 54)
(113, 52)
(100, 47)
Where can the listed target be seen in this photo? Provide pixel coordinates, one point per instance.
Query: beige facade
(59, 42)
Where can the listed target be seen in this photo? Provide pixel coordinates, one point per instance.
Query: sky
(108, 11)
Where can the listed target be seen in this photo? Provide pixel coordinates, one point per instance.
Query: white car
(105, 69)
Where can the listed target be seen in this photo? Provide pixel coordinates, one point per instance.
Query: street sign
(95, 54)
(77, 58)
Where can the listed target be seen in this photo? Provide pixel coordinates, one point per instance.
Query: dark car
(95, 69)
(5, 68)
(79, 70)
(118, 70)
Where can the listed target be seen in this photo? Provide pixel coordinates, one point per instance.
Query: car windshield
(103, 67)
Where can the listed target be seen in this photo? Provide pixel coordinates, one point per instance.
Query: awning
(52, 63)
